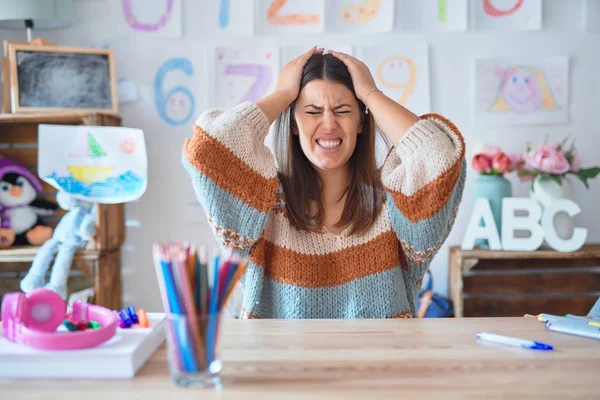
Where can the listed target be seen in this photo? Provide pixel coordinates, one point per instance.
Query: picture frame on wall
(51, 78)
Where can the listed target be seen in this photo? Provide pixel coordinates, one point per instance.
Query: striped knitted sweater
(299, 274)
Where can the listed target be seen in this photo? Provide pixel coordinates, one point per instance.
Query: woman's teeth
(329, 144)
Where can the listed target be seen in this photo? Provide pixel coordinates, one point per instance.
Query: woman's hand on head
(288, 82)
(359, 72)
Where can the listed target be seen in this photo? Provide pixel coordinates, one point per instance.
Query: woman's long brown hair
(301, 182)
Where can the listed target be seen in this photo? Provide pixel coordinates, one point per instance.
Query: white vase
(545, 192)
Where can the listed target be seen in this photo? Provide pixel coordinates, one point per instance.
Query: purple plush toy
(20, 210)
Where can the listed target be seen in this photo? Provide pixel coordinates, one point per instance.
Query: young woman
(328, 233)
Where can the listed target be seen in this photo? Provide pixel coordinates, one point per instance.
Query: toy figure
(73, 232)
(20, 210)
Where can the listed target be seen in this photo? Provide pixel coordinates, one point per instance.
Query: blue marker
(510, 341)
(189, 363)
(125, 318)
(213, 308)
(132, 314)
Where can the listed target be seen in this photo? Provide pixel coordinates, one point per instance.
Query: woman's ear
(361, 125)
(293, 124)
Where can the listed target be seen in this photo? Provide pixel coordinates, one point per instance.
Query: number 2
(275, 18)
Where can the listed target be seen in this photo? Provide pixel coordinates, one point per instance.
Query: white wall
(167, 207)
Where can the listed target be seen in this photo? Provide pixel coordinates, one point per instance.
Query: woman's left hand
(361, 76)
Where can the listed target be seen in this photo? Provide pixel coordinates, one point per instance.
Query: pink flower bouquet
(491, 160)
(553, 161)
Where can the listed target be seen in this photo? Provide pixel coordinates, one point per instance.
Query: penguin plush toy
(20, 210)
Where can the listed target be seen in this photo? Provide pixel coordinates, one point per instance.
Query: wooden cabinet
(485, 283)
(96, 266)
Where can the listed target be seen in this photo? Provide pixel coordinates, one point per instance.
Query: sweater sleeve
(233, 173)
(424, 179)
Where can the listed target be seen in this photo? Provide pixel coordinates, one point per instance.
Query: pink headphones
(33, 318)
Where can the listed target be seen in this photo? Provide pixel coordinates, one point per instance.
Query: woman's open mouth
(329, 144)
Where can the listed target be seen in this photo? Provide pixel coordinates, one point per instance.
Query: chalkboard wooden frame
(15, 93)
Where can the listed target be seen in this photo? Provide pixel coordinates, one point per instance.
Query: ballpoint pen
(528, 344)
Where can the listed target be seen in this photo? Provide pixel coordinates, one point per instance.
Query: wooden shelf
(75, 118)
(587, 251)
(100, 262)
(27, 254)
(512, 283)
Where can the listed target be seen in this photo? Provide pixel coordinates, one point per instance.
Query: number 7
(260, 85)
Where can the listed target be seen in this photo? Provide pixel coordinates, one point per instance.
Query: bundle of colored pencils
(193, 295)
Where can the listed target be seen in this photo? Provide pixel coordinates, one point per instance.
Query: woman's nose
(329, 121)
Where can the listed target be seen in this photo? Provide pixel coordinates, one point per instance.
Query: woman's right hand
(288, 83)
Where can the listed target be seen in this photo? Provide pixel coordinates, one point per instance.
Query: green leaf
(590, 173)
(583, 178)
(557, 179)
(544, 176)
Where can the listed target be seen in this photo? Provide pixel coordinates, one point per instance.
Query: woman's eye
(343, 112)
(313, 112)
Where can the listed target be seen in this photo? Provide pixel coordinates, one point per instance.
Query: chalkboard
(52, 78)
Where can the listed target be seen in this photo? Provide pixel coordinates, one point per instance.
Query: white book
(120, 357)
(574, 327)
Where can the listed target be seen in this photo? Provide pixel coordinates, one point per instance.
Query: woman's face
(328, 121)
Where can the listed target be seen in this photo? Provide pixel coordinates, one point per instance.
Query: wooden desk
(486, 283)
(358, 359)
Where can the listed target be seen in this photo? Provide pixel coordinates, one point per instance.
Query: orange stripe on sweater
(245, 314)
(309, 270)
(427, 201)
(403, 314)
(219, 164)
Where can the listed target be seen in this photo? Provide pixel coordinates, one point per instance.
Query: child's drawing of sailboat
(87, 147)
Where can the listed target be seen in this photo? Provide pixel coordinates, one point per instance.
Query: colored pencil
(197, 292)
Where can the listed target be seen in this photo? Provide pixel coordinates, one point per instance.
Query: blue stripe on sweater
(377, 295)
(226, 210)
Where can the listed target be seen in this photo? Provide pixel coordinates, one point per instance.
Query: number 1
(224, 14)
(443, 11)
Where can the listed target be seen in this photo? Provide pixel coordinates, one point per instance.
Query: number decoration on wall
(176, 106)
(362, 12)
(276, 18)
(224, 13)
(261, 73)
(490, 9)
(398, 73)
(442, 6)
(146, 26)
